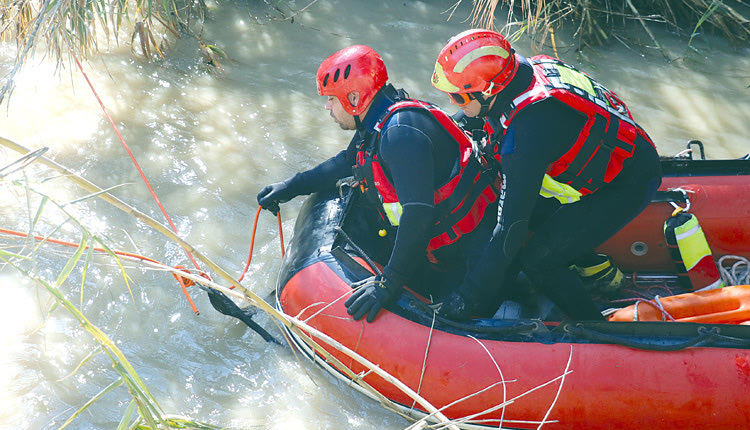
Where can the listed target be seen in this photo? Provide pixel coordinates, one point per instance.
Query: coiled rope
(738, 272)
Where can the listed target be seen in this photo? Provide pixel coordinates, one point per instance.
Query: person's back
(409, 158)
(555, 130)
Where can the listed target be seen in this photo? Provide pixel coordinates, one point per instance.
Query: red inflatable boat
(650, 373)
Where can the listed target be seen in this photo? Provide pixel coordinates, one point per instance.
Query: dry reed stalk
(307, 333)
(302, 329)
(505, 402)
(594, 18)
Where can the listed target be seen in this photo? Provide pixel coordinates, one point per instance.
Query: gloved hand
(371, 295)
(455, 307)
(270, 196)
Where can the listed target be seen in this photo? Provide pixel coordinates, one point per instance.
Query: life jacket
(460, 201)
(606, 140)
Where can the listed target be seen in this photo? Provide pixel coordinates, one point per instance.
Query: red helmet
(473, 61)
(356, 68)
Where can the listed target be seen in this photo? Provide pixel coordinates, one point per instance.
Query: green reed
(143, 411)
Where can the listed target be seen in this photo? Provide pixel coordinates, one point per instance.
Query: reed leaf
(127, 416)
(89, 257)
(93, 237)
(147, 406)
(88, 357)
(86, 197)
(706, 15)
(93, 400)
(73, 261)
(597, 20)
(5, 255)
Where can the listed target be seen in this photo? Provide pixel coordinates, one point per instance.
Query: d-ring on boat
(653, 368)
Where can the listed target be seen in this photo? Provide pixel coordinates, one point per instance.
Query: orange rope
(252, 245)
(140, 171)
(281, 233)
(184, 283)
(252, 242)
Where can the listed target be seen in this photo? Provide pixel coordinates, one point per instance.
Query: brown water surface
(208, 144)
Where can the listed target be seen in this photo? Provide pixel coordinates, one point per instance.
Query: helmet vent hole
(336, 75)
(325, 80)
(347, 70)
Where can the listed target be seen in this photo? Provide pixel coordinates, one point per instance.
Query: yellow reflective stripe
(562, 192)
(692, 242)
(441, 82)
(393, 211)
(575, 78)
(478, 53)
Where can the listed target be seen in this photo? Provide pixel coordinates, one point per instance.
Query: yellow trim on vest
(562, 192)
(393, 211)
(577, 79)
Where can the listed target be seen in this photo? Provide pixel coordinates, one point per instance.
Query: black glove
(455, 307)
(270, 196)
(371, 295)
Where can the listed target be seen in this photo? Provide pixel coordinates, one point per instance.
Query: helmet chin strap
(485, 102)
(358, 123)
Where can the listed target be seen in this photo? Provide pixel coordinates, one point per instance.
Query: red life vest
(608, 136)
(460, 202)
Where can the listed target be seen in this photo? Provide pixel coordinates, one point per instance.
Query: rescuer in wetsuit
(403, 163)
(557, 130)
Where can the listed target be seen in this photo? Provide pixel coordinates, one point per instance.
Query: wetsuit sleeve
(527, 149)
(326, 174)
(406, 150)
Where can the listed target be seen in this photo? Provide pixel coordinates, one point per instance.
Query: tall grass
(78, 28)
(596, 21)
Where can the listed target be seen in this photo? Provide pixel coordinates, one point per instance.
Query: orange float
(728, 305)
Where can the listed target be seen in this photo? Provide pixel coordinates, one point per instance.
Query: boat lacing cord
(705, 336)
(359, 251)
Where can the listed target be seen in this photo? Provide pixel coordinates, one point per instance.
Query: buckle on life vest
(349, 182)
(483, 150)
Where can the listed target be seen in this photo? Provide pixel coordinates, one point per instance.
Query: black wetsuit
(540, 235)
(418, 155)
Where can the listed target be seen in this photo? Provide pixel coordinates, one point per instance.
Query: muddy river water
(208, 143)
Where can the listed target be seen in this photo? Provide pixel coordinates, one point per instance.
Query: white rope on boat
(735, 270)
